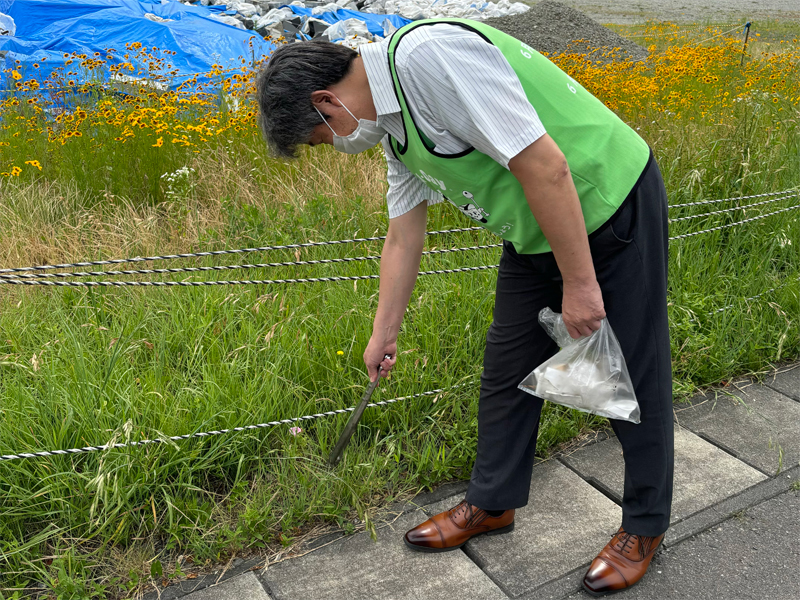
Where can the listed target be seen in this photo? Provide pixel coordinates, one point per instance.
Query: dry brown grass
(54, 221)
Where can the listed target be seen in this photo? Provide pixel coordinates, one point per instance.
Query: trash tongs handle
(355, 417)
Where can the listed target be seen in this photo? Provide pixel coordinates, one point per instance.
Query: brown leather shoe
(452, 528)
(621, 564)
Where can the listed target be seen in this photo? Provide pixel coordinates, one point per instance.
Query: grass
(82, 367)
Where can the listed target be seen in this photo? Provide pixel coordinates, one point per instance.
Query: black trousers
(630, 259)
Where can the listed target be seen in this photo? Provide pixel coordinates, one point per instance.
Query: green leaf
(156, 570)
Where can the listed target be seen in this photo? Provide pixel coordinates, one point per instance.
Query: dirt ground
(686, 11)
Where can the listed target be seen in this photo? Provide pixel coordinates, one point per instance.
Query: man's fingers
(583, 329)
(372, 371)
(386, 366)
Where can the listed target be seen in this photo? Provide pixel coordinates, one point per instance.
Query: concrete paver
(567, 521)
(565, 524)
(760, 425)
(748, 557)
(358, 568)
(704, 474)
(786, 381)
(237, 588)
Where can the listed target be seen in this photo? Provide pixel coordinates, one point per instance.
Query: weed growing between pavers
(152, 171)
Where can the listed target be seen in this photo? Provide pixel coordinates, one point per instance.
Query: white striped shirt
(462, 93)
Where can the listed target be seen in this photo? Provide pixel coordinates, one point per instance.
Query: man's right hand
(375, 356)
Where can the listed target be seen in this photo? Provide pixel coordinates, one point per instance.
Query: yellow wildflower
(159, 143)
(340, 352)
(16, 75)
(34, 163)
(15, 171)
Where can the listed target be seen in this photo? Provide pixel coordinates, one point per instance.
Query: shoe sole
(415, 548)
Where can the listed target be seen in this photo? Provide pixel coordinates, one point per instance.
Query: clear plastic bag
(588, 374)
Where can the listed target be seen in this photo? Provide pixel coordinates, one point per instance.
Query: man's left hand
(582, 308)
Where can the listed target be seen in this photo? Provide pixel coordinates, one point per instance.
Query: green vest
(605, 156)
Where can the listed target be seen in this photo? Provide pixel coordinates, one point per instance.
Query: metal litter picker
(352, 423)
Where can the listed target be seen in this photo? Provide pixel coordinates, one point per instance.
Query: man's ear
(321, 98)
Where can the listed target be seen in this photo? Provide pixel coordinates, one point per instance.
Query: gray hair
(284, 86)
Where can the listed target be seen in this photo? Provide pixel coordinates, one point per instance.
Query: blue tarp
(374, 22)
(50, 28)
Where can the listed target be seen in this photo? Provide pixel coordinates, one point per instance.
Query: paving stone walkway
(735, 449)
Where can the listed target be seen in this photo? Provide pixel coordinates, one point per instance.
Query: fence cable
(20, 281)
(228, 267)
(684, 30)
(734, 208)
(117, 261)
(686, 235)
(756, 297)
(716, 35)
(44, 282)
(732, 199)
(175, 438)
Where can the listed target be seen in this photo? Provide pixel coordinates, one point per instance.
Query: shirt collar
(379, 77)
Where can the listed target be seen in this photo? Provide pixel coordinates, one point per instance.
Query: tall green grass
(84, 367)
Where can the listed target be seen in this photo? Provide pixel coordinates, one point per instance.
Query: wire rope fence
(684, 29)
(36, 276)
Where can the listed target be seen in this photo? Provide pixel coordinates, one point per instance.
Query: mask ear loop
(324, 120)
(347, 109)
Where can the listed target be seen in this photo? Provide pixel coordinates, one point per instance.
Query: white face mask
(366, 135)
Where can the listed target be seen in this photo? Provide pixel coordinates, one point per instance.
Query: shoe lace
(624, 541)
(462, 506)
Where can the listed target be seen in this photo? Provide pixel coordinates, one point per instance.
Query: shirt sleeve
(464, 85)
(406, 190)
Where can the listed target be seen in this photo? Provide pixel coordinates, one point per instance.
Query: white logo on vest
(432, 180)
(473, 211)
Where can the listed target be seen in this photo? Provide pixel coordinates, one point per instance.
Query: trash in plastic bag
(347, 29)
(588, 374)
(7, 25)
(388, 28)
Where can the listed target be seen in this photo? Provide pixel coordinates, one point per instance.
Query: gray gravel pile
(554, 28)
